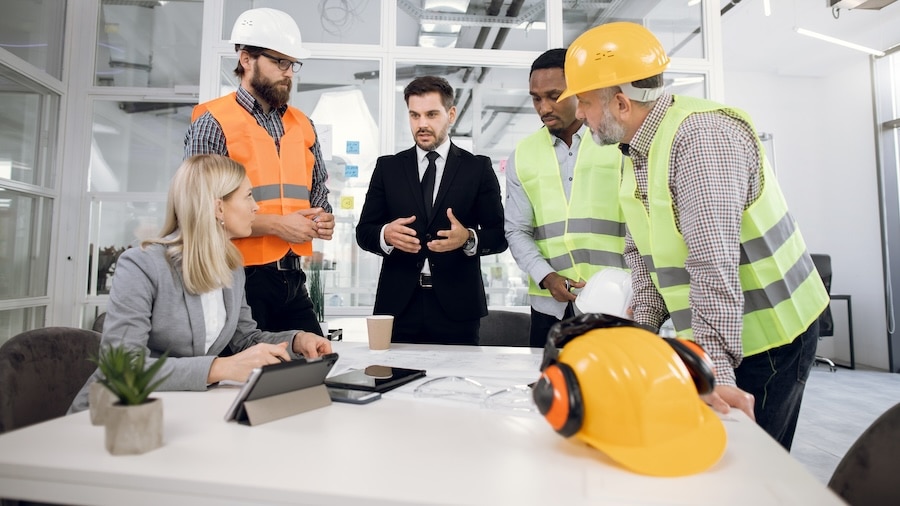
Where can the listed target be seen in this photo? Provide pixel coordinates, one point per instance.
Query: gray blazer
(149, 308)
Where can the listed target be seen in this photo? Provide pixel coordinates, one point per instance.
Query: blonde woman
(183, 292)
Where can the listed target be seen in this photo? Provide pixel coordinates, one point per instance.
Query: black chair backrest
(867, 475)
(41, 371)
(504, 328)
(823, 265)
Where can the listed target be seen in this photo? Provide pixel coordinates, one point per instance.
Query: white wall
(825, 155)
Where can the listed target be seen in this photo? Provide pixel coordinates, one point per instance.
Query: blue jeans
(777, 378)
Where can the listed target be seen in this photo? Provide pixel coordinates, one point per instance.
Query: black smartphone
(352, 396)
(374, 378)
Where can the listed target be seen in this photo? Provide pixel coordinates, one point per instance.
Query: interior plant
(125, 375)
(134, 423)
(316, 286)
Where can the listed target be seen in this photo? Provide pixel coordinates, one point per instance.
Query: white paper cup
(380, 327)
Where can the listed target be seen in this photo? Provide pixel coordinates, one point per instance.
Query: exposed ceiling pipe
(492, 10)
(512, 12)
(499, 40)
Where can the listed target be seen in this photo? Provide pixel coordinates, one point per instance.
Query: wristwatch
(470, 242)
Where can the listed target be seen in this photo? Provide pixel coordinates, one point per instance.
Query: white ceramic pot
(99, 400)
(131, 430)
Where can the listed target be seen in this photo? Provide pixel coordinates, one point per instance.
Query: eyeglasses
(284, 64)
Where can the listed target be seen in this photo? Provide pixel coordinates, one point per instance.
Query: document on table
(456, 360)
(479, 378)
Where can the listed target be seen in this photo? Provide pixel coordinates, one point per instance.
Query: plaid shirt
(713, 177)
(205, 136)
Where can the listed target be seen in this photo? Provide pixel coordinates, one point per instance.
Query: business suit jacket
(150, 309)
(468, 186)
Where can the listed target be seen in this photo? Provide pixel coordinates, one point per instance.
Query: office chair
(826, 321)
(41, 371)
(867, 474)
(504, 328)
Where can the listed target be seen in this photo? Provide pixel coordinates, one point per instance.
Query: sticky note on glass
(352, 147)
(351, 171)
(347, 202)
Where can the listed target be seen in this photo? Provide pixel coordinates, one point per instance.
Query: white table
(398, 450)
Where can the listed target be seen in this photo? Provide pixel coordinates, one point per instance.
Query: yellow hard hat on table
(632, 395)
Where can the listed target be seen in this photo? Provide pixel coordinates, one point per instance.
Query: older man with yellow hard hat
(711, 243)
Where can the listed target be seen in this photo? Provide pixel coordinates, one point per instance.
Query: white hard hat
(270, 29)
(608, 292)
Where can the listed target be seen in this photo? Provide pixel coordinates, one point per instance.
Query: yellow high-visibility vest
(783, 293)
(586, 234)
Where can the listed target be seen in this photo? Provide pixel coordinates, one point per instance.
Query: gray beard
(614, 131)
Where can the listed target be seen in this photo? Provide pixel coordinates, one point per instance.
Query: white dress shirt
(440, 162)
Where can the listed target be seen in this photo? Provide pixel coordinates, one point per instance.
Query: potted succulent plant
(134, 423)
(99, 401)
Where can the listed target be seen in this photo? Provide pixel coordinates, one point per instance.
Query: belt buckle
(425, 281)
(288, 263)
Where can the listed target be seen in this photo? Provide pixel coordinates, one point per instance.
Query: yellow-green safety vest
(586, 234)
(783, 293)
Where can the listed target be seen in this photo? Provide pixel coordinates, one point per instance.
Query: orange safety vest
(281, 185)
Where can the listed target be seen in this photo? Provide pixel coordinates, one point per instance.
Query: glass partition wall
(31, 97)
(138, 67)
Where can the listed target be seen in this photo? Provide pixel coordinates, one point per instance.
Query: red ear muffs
(558, 397)
(697, 362)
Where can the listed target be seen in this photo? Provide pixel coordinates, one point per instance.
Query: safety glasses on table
(460, 388)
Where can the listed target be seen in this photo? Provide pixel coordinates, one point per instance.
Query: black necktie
(428, 182)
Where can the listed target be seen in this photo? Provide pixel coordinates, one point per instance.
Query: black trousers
(777, 379)
(541, 323)
(279, 301)
(424, 321)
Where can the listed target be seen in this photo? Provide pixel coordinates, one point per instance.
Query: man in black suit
(431, 220)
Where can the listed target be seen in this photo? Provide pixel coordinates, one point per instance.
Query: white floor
(837, 407)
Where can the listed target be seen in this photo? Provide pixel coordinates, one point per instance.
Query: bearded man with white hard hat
(279, 147)
(710, 240)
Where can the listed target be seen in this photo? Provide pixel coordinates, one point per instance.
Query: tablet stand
(279, 406)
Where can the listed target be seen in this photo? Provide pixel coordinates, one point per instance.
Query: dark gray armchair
(98, 323)
(867, 475)
(41, 371)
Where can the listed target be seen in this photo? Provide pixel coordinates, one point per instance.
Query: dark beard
(273, 95)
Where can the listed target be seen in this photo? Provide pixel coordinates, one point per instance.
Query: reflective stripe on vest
(586, 234)
(281, 184)
(783, 293)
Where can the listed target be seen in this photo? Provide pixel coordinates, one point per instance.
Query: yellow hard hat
(627, 392)
(611, 55)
